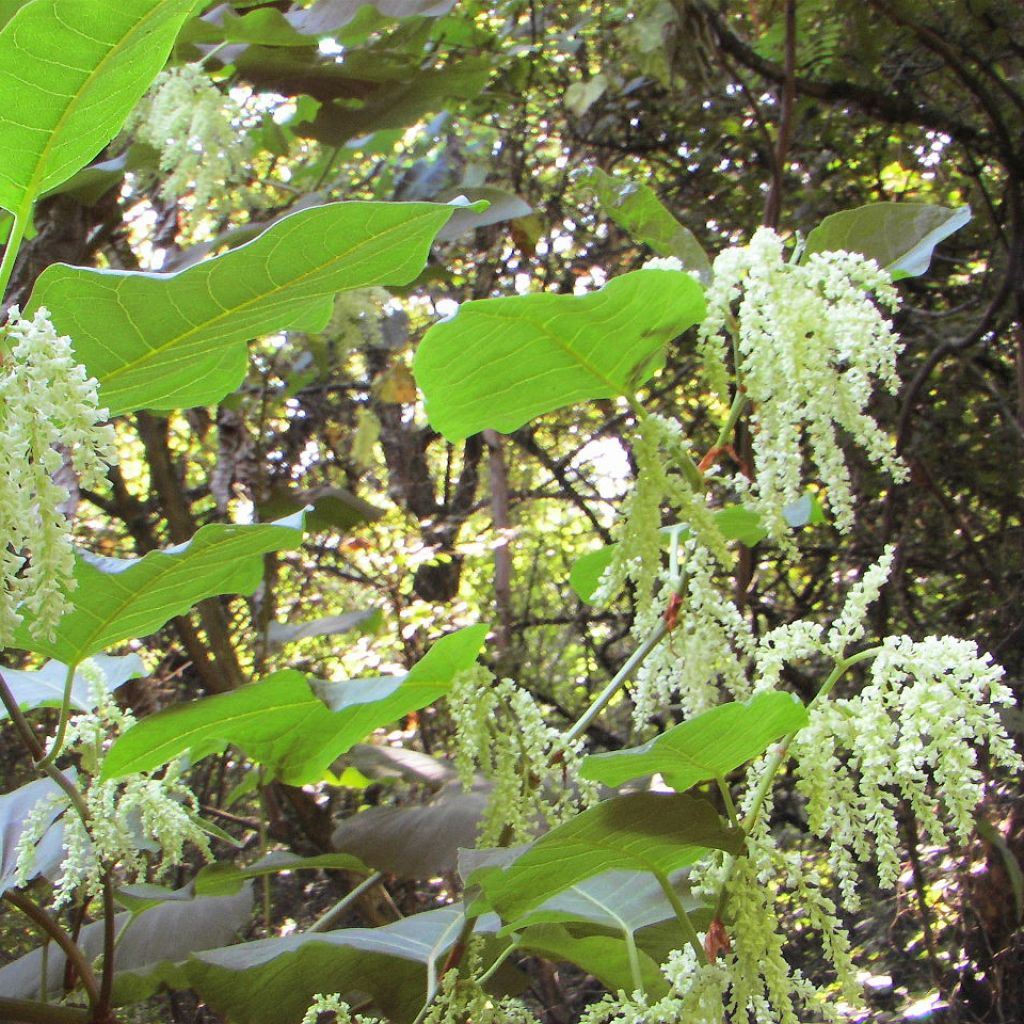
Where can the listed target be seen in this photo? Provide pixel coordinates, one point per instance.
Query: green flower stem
(604, 698)
(493, 969)
(11, 251)
(25, 1011)
(739, 405)
(62, 725)
(683, 917)
(54, 930)
(324, 922)
(777, 758)
(730, 807)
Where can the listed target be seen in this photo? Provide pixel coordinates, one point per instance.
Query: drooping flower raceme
(129, 819)
(198, 132)
(810, 346)
(501, 733)
(910, 734)
(49, 413)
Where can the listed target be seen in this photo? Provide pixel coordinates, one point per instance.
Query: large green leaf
(706, 747)
(282, 724)
(122, 598)
(653, 832)
(273, 981)
(899, 237)
(223, 878)
(499, 362)
(166, 932)
(166, 341)
(70, 73)
(636, 208)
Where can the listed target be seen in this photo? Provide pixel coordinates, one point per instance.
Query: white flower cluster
(910, 734)
(199, 134)
(707, 651)
(501, 733)
(335, 1005)
(49, 413)
(128, 819)
(810, 346)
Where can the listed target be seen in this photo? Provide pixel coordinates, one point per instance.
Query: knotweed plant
(796, 348)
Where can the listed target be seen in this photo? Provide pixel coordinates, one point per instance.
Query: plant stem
(493, 969)
(51, 927)
(634, 961)
(109, 944)
(739, 404)
(683, 917)
(730, 807)
(324, 922)
(11, 250)
(62, 725)
(618, 681)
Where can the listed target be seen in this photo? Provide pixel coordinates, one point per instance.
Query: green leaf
(168, 930)
(416, 842)
(587, 570)
(123, 598)
(15, 808)
(167, 341)
(45, 687)
(899, 237)
(706, 747)
(651, 832)
(223, 879)
(636, 208)
(282, 724)
(274, 980)
(70, 73)
(499, 362)
(367, 620)
(604, 956)
(616, 900)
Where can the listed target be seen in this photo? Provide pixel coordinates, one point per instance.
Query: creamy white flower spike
(911, 733)
(49, 412)
(663, 263)
(128, 818)
(810, 346)
(501, 733)
(198, 132)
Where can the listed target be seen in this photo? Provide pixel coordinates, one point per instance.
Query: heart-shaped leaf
(498, 363)
(70, 73)
(653, 832)
(120, 598)
(171, 341)
(274, 980)
(706, 747)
